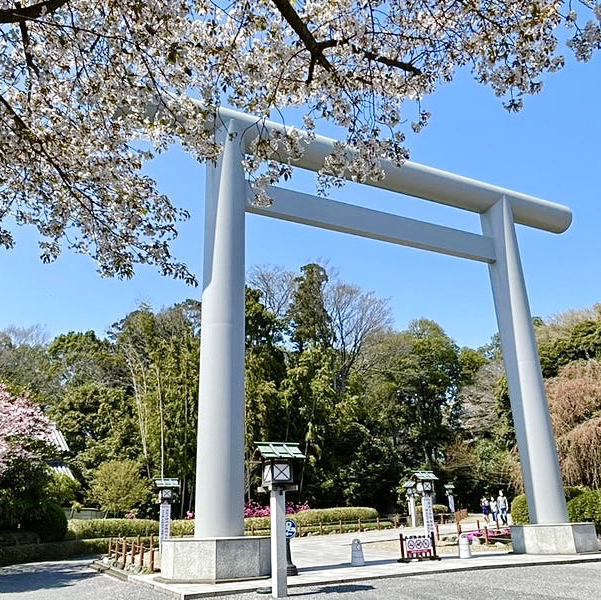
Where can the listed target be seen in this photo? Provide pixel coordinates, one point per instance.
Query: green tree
(62, 489)
(117, 486)
(25, 366)
(310, 322)
(416, 385)
(161, 352)
(83, 358)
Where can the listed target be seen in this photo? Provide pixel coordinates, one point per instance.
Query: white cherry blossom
(77, 79)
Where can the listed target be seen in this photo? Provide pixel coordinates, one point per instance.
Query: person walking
(494, 509)
(485, 508)
(503, 506)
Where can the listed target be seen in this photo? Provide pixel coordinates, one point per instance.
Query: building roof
(58, 439)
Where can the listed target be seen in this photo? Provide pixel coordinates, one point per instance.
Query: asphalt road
(73, 580)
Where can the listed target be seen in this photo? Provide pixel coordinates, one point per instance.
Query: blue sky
(549, 150)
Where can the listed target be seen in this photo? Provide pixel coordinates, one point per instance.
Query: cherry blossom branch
(28, 13)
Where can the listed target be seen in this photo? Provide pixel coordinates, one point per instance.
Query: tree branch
(316, 48)
(28, 13)
(306, 37)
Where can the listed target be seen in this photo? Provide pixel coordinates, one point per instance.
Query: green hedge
(440, 509)
(106, 528)
(182, 527)
(309, 520)
(333, 515)
(586, 507)
(11, 555)
(519, 505)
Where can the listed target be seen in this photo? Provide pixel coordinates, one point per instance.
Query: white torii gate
(220, 459)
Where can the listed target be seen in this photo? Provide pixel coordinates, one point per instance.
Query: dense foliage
(368, 404)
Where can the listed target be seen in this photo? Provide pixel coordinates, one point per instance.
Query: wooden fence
(133, 553)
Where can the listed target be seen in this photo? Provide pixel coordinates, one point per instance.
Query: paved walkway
(326, 560)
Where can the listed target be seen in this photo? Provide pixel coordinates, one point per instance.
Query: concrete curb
(333, 576)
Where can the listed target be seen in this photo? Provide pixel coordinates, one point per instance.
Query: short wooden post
(359, 521)
(458, 528)
(137, 549)
(142, 555)
(320, 528)
(151, 553)
(124, 550)
(395, 522)
(340, 523)
(478, 524)
(486, 536)
(437, 534)
(378, 523)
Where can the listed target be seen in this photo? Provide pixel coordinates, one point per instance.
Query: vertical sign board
(164, 521)
(451, 503)
(428, 513)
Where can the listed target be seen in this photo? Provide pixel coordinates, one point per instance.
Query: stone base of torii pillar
(214, 560)
(557, 538)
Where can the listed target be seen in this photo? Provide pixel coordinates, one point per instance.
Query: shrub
(118, 487)
(14, 538)
(48, 521)
(106, 528)
(440, 509)
(62, 489)
(519, 510)
(586, 507)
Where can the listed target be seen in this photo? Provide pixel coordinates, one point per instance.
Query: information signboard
(428, 514)
(164, 521)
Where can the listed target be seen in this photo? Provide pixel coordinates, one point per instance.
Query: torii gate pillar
(219, 550)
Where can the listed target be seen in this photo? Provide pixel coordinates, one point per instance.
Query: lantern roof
(167, 483)
(419, 476)
(286, 450)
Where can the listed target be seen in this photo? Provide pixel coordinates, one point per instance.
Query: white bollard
(464, 547)
(357, 559)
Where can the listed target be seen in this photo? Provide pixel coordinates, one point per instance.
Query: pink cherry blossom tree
(24, 448)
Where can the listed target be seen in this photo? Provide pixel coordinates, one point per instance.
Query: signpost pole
(279, 585)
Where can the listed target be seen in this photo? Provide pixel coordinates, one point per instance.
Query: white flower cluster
(78, 79)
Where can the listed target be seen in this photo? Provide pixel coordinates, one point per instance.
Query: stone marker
(357, 559)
